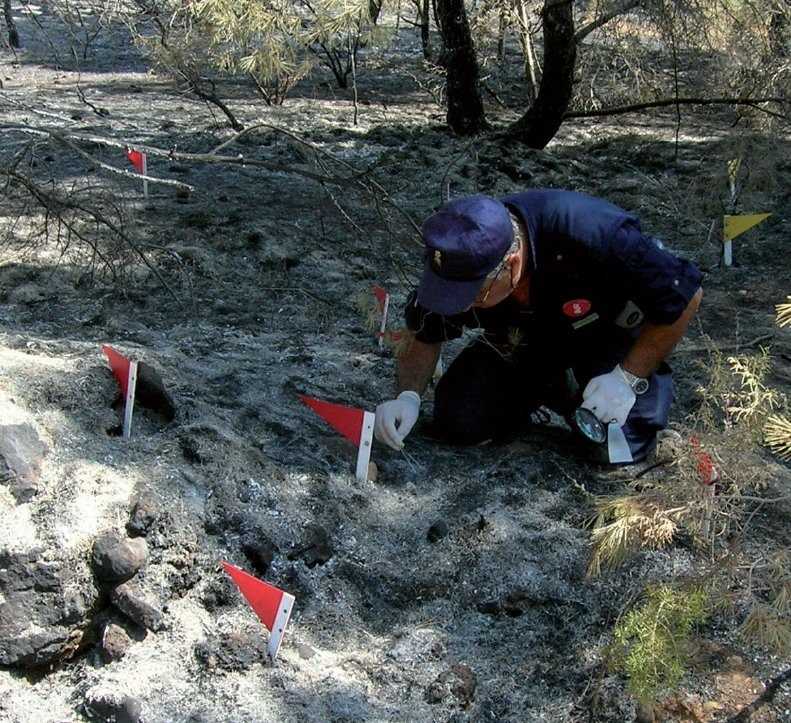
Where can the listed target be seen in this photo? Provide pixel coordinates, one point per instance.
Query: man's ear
(514, 269)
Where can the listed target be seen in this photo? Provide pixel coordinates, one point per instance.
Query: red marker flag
(125, 372)
(119, 365)
(381, 296)
(347, 421)
(706, 470)
(137, 159)
(356, 425)
(272, 605)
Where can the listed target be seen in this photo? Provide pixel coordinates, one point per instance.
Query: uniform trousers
(488, 394)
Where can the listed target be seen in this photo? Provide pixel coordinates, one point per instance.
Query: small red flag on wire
(347, 421)
(137, 159)
(125, 372)
(272, 605)
(356, 425)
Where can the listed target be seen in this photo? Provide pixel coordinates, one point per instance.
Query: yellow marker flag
(733, 169)
(737, 225)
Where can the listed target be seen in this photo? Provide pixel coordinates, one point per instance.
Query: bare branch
(619, 9)
(55, 202)
(620, 110)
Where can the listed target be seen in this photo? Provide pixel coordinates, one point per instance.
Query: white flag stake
(617, 446)
(727, 243)
(366, 440)
(145, 173)
(129, 404)
(383, 325)
(279, 627)
(727, 252)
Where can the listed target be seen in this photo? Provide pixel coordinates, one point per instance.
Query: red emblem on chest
(576, 308)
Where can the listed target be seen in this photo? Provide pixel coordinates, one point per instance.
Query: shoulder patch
(576, 308)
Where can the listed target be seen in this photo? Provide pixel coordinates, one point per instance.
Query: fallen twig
(634, 107)
(726, 347)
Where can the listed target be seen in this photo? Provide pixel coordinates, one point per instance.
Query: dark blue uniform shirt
(594, 279)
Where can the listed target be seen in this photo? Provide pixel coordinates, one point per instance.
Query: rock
(418, 646)
(516, 603)
(278, 256)
(111, 707)
(435, 693)
(645, 713)
(219, 592)
(260, 551)
(489, 607)
(21, 454)
(735, 662)
(670, 446)
(316, 548)
(306, 652)
(117, 558)
(437, 531)
(151, 393)
(459, 682)
(29, 293)
(373, 472)
(133, 603)
(144, 514)
(115, 643)
(234, 651)
(45, 608)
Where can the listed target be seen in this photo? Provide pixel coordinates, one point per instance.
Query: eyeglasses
(482, 299)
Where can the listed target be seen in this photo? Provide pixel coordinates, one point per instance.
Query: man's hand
(395, 419)
(609, 397)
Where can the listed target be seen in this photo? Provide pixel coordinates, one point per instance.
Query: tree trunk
(374, 8)
(13, 35)
(538, 126)
(777, 33)
(528, 51)
(502, 31)
(465, 107)
(424, 19)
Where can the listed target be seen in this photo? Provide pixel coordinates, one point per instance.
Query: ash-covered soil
(491, 619)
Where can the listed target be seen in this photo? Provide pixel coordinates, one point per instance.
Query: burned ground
(493, 620)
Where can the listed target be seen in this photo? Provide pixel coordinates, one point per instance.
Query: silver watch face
(640, 385)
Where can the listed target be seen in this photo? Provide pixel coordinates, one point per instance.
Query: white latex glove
(395, 419)
(609, 397)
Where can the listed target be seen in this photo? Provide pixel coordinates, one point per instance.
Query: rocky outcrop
(45, 608)
(21, 454)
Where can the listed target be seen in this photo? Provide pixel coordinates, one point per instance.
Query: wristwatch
(639, 385)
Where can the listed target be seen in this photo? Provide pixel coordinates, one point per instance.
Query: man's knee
(465, 417)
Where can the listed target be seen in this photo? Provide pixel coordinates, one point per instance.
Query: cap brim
(446, 297)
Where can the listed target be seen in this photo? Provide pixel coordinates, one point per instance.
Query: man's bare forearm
(416, 366)
(657, 341)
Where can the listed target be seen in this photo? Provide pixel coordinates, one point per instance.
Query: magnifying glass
(589, 425)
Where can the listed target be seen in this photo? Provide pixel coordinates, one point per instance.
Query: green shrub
(652, 643)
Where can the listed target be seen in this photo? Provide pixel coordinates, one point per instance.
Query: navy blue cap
(465, 241)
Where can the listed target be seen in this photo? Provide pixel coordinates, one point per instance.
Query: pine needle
(777, 436)
(784, 313)
(766, 626)
(625, 524)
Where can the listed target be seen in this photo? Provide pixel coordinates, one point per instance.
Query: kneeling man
(578, 310)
